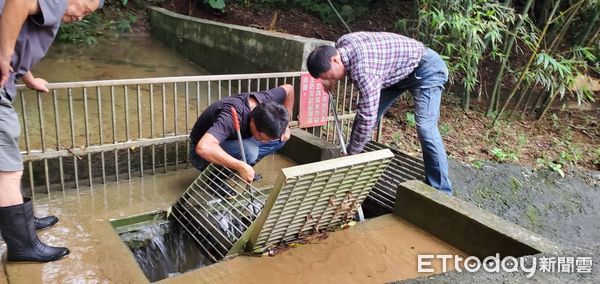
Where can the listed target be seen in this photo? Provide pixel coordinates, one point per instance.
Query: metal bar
(140, 135)
(35, 156)
(101, 132)
(27, 148)
(229, 88)
(127, 137)
(164, 125)
(72, 123)
(56, 124)
(175, 124)
(187, 125)
(114, 130)
(197, 99)
(43, 140)
(219, 82)
(152, 128)
(165, 80)
(193, 235)
(87, 135)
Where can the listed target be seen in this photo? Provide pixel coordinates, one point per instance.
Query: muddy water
(124, 57)
(97, 252)
(379, 250)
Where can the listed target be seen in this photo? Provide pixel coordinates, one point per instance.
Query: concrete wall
(465, 226)
(227, 49)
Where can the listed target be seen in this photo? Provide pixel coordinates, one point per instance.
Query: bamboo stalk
(590, 25)
(573, 10)
(533, 55)
(547, 105)
(507, 51)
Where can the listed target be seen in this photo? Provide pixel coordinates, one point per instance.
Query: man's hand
(286, 135)
(5, 69)
(37, 84)
(246, 172)
(15, 13)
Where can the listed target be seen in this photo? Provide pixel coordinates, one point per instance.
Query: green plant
(556, 167)
(216, 4)
(503, 156)
(445, 129)
(462, 31)
(410, 119)
(478, 165)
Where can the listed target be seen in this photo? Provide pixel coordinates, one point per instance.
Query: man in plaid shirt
(383, 66)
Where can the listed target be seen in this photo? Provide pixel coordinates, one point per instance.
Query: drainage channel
(220, 216)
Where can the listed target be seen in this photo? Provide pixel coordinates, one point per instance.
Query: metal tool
(337, 124)
(236, 125)
(359, 212)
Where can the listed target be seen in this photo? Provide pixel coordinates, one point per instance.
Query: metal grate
(218, 221)
(403, 167)
(317, 196)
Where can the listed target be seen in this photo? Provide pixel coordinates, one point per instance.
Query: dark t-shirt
(217, 120)
(35, 38)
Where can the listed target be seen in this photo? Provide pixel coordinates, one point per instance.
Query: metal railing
(83, 133)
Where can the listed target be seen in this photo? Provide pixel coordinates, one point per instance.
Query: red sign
(314, 102)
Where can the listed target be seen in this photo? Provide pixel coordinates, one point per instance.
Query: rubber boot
(44, 222)
(18, 231)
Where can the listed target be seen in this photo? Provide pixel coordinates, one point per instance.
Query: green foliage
(463, 31)
(410, 119)
(84, 31)
(348, 9)
(503, 156)
(478, 165)
(445, 129)
(112, 19)
(552, 165)
(216, 4)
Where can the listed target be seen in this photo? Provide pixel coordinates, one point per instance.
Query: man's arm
(366, 113)
(209, 149)
(288, 102)
(13, 16)
(37, 84)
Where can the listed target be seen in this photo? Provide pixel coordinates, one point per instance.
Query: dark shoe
(18, 231)
(44, 222)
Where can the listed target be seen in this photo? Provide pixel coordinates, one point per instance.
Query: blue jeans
(253, 149)
(426, 84)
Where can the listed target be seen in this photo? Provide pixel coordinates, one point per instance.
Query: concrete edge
(464, 225)
(304, 148)
(237, 27)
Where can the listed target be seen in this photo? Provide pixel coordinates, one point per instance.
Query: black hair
(270, 118)
(319, 60)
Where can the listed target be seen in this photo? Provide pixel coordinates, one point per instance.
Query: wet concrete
(564, 210)
(375, 251)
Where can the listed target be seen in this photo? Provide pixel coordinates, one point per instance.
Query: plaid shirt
(375, 61)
